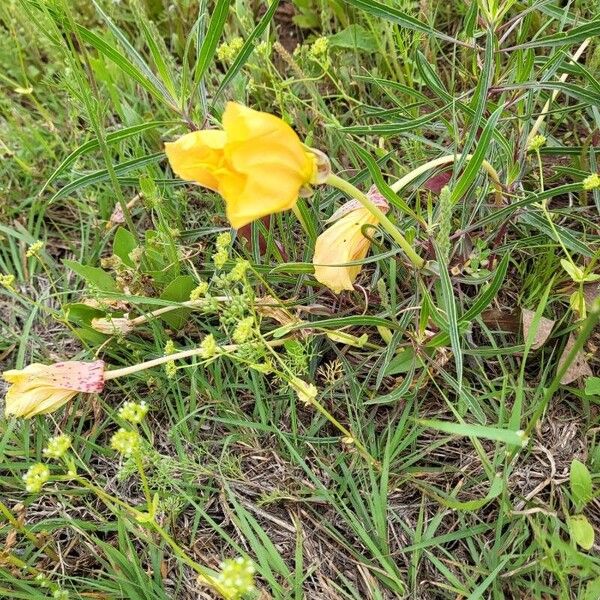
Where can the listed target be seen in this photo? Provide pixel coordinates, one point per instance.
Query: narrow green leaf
(111, 138)
(507, 436)
(563, 38)
(474, 165)
(400, 18)
(211, 38)
(102, 175)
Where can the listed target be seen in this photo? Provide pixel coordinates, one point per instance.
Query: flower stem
(161, 360)
(385, 223)
(447, 160)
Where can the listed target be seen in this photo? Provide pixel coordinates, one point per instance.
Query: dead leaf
(501, 320)
(591, 291)
(578, 368)
(543, 331)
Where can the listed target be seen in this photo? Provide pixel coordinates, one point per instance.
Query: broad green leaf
(592, 386)
(581, 484)
(123, 244)
(581, 531)
(354, 37)
(178, 291)
(94, 276)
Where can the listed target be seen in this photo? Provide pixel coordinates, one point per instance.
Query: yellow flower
(256, 162)
(344, 242)
(39, 389)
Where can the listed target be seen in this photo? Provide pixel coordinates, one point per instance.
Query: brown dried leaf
(578, 368)
(591, 291)
(543, 331)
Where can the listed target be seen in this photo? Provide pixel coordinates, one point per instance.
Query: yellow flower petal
(197, 156)
(341, 243)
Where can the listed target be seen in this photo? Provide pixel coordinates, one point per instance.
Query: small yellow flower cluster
(134, 412)
(222, 254)
(170, 367)
(199, 291)
(60, 595)
(536, 143)
(8, 281)
(319, 47)
(592, 182)
(243, 331)
(208, 346)
(239, 270)
(125, 442)
(227, 51)
(37, 475)
(237, 577)
(57, 446)
(34, 249)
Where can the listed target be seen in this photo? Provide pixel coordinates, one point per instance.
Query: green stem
(385, 223)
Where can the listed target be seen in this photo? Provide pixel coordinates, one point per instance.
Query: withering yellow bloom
(39, 389)
(256, 162)
(344, 242)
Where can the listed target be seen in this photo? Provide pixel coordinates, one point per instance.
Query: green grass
(471, 431)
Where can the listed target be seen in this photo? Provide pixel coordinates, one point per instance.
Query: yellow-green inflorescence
(37, 475)
(57, 446)
(237, 577)
(125, 442)
(134, 412)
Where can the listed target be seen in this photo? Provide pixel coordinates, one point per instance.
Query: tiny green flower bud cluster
(237, 577)
(243, 330)
(125, 442)
(134, 412)
(7, 281)
(61, 595)
(34, 249)
(208, 347)
(536, 143)
(37, 475)
(592, 182)
(57, 446)
(222, 246)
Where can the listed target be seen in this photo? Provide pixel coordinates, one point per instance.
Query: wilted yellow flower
(344, 242)
(39, 389)
(307, 392)
(256, 162)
